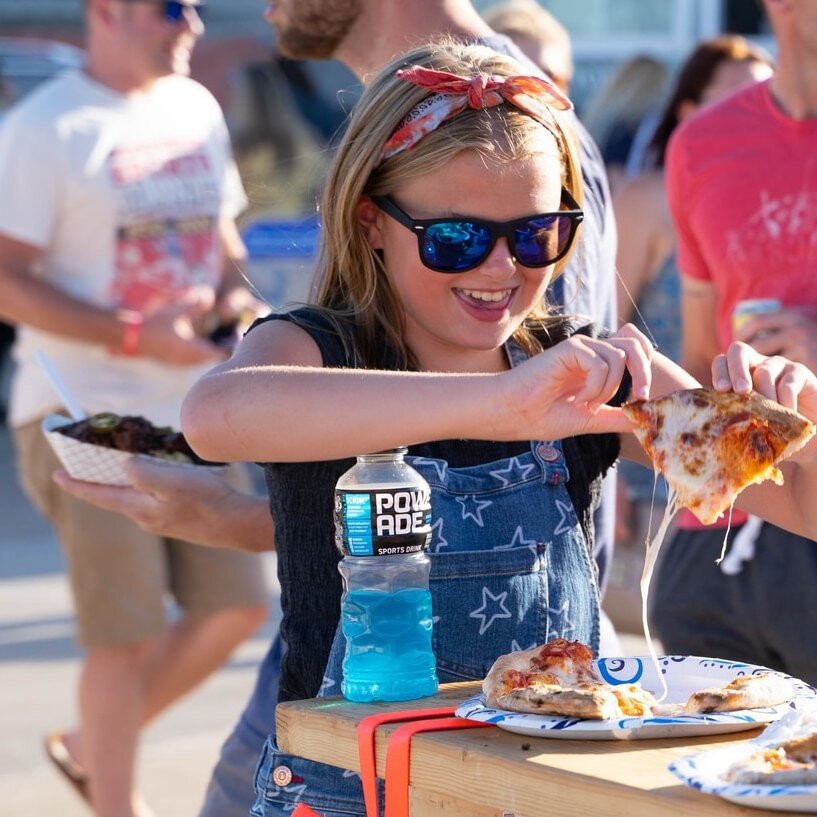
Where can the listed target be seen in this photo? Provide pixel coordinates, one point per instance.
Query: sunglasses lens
(542, 240)
(174, 11)
(454, 246)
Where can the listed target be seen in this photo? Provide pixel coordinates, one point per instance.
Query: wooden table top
(492, 772)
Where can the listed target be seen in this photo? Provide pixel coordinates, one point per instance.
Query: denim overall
(510, 569)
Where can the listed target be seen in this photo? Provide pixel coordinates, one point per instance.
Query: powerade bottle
(383, 527)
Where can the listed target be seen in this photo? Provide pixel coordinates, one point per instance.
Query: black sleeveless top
(301, 502)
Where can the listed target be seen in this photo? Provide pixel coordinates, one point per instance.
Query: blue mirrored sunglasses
(459, 244)
(174, 10)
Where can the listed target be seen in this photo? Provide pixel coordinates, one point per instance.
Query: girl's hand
(563, 391)
(742, 369)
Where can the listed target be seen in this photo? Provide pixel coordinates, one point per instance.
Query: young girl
(451, 205)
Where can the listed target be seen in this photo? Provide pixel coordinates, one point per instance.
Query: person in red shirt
(742, 186)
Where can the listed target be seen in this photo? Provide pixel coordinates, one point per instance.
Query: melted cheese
(653, 544)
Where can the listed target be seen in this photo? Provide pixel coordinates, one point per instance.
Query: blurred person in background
(633, 93)
(742, 187)
(538, 35)
(649, 292)
(117, 238)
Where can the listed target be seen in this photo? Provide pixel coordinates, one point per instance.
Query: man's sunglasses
(460, 244)
(174, 10)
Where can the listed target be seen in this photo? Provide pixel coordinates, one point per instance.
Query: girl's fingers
(639, 353)
(740, 360)
(743, 369)
(603, 365)
(791, 384)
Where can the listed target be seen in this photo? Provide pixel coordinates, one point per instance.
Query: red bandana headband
(453, 94)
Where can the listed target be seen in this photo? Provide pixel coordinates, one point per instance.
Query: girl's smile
(456, 317)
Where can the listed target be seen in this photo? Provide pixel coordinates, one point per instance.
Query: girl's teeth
(487, 296)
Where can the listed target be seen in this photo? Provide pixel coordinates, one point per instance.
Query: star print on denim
(567, 518)
(326, 685)
(482, 612)
(297, 791)
(563, 613)
(440, 466)
(515, 472)
(476, 513)
(438, 541)
(519, 541)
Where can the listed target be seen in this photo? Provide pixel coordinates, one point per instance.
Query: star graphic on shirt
(515, 469)
(438, 541)
(562, 612)
(516, 647)
(326, 684)
(519, 541)
(483, 612)
(440, 466)
(475, 509)
(566, 517)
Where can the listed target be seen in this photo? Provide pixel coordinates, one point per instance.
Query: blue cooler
(281, 259)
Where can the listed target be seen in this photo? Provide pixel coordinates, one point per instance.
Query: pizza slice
(560, 678)
(711, 445)
(745, 692)
(792, 763)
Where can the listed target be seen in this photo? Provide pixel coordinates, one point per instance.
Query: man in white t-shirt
(118, 195)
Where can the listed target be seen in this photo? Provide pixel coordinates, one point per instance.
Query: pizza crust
(745, 692)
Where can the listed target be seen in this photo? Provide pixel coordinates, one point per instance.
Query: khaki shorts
(121, 576)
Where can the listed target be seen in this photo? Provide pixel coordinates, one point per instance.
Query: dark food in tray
(135, 435)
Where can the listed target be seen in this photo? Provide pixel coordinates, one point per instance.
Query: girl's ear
(369, 215)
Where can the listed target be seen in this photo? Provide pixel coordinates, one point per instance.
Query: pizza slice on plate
(745, 692)
(711, 445)
(792, 763)
(560, 678)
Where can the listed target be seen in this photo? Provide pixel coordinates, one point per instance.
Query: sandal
(57, 753)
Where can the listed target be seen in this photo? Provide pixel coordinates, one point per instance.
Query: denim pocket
(486, 603)
(282, 781)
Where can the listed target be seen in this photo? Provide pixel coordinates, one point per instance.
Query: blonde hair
(351, 282)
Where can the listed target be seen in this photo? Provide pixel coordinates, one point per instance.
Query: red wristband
(133, 331)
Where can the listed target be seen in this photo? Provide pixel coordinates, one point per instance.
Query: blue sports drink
(388, 652)
(383, 524)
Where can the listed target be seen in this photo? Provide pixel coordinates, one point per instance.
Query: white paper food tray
(94, 463)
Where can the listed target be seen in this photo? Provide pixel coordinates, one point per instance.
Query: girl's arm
(273, 401)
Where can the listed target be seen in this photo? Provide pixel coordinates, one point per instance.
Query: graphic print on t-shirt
(781, 231)
(167, 235)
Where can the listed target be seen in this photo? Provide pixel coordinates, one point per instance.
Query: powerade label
(383, 522)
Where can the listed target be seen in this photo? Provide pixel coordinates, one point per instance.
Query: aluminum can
(746, 310)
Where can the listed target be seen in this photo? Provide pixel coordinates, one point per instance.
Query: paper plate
(683, 675)
(704, 771)
(95, 463)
